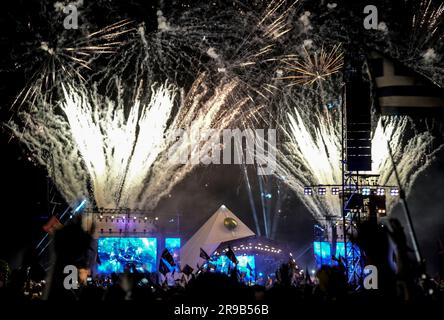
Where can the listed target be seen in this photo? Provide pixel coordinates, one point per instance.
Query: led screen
(118, 254)
(323, 254)
(246, 266)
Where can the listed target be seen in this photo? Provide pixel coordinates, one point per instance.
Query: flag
(163, 268)
(187, 270)
(230, 255)
(52, 225)
(168, 257)
(165, 283)
(204, 255)
(183, 281)
(401, 91)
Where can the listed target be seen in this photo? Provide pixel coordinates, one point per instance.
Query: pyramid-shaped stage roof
(211, 235)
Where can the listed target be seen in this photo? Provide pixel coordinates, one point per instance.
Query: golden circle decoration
(230, 223)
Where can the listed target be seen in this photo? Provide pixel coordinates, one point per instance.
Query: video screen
(246, 266)
(127, 254)
(323, 253)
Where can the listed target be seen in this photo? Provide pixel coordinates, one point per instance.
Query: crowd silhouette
(399, 278)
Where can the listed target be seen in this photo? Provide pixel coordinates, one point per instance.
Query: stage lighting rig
(380, 191)
(365, 191)
(394, 192)
(308, 191)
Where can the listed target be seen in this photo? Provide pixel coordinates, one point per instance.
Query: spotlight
(380, 191)
(394, 192)
(308, 191)
(365, 191)
(322, 191)
(335, 191)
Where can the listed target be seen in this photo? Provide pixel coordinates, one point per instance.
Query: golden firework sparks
(313, 67)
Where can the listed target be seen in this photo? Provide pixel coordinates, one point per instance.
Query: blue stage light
(322, 191)
(335, 191)
(394, 192)
(380, 191)
(365, 191)
(80, 206)
(308, 191)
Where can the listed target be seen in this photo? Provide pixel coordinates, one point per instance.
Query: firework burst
(234, 41)
(313, 68)
(63, 59)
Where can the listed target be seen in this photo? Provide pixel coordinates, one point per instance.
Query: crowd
(330, 284)
(405, 282)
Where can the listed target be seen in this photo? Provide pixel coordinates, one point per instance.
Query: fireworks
(105, 133)
(426, 20)
(116, 133)
(65, 59)
(311, 155)
(124, 158)
(313, 68)
(234, 41)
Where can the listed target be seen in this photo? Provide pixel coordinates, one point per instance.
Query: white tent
(211, 235)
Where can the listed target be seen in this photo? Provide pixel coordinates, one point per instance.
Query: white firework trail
(413, 152)
(203, 108)
(111, 144)
(96, 150)
(311, 156)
